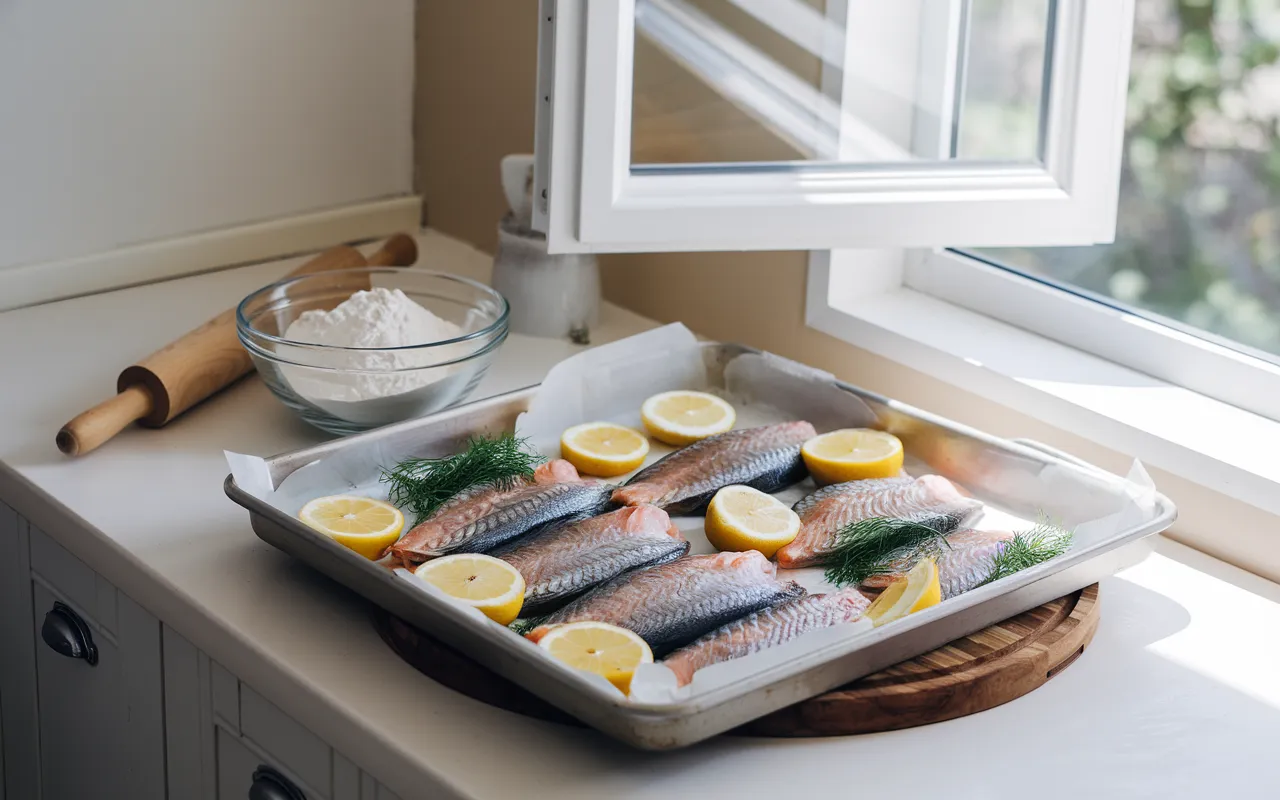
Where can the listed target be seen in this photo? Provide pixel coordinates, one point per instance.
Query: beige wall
(475, 104)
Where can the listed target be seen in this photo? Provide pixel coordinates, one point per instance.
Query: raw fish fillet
(482, 518)
(683, 482)
(961, 567)
(929, 500)
(564, 562)
(673, 604)
(767, 628)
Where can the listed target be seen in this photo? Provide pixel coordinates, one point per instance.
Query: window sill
(1206, 441)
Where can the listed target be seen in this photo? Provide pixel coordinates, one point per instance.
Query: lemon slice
(484, 582)
(852, 454)
(601, 648)
(741, 518)
(681, 418)
(603, 449)
(363, 524)
(917, 590)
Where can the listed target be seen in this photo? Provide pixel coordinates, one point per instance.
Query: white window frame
(885, 302)
(591, 201)
(1130, 338)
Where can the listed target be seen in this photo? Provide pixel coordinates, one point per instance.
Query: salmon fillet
(683, 482)
(964, 564)
(486, 516)
(929, 500)
(673, 604)
(767, 628)
(564, 562)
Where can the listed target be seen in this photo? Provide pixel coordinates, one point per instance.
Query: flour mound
(378, 318)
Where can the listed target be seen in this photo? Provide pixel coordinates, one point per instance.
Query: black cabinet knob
(271, 785)
(68, 635)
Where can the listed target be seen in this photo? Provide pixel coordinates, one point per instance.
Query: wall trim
(30, 284)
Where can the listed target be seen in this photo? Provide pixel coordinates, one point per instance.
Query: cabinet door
(17, 661)
(101, 728)
(242, 774)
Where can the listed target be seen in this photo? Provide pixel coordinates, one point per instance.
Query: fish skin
(672, 604)
(766, 628)
(683, 482)
(562, 563)
(484, 517)
(930, 500)
(963, 565)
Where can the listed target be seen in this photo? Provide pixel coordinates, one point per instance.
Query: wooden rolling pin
(207, 359)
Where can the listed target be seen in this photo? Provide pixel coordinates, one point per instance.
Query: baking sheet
(609, 383)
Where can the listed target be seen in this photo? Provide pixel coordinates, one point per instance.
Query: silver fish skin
(565, 561)
(929, 500)
(767, 628)
(963, 564)
(483, 518)
(683, 482)
(428, 537)
(672, 604)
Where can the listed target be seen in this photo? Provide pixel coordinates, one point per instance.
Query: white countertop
(1177, 696)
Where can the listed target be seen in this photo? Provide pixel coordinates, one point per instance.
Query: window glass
(1198, 240)
(848, 81)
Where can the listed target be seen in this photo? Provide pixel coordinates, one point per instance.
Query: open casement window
(679, 125)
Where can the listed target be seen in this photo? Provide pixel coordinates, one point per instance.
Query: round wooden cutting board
(972, 674)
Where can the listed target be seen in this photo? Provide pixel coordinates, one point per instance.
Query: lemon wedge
(484, 582)
(603, 449)
(852, 454)
(601, 648)
(918, 589)
(363, 524)
(681, 418)
(741, 518)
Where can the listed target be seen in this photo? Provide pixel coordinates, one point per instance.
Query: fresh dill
(421, 485)
(878, 545)
(523, 625)
(1028, 548)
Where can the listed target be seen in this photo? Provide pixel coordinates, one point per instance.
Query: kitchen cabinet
(99, 699)
(100, 720)
(80, 682)
(17, 661)
(228, 742)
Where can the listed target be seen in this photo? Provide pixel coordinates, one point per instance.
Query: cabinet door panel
(73, 579)
(17, 661)
(237, 765)
(306, 755)
(101, 728)
(83, 711)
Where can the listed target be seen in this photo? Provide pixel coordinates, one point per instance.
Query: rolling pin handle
(95, 426)
(399, 251)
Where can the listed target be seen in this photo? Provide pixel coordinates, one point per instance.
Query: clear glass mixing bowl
(349, 389)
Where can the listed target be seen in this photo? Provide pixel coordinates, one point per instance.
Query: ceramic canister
(550, 295)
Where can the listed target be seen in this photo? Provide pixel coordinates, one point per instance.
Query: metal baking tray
(1005, 474)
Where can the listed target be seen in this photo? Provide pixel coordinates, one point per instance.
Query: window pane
(850, 81)
(1003, 81)
(1199, 225)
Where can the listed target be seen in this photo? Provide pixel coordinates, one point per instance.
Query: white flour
(378, 318)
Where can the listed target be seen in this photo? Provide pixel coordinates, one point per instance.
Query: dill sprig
(878, 545)
(422, 485)
(523, 625)
(1028, 548)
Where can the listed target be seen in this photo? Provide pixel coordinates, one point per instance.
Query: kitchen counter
(1176, 697)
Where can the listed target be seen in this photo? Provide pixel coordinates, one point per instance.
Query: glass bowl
(349, 389)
